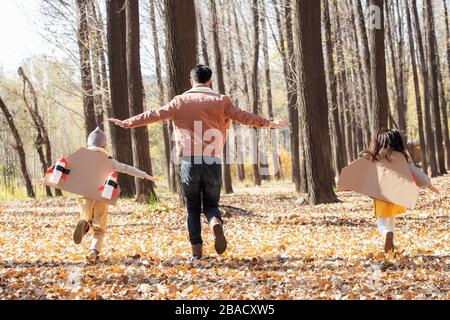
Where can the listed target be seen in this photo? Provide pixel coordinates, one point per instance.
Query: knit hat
(97, 138)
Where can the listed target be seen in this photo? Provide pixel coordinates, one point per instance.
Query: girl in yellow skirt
(387, 141)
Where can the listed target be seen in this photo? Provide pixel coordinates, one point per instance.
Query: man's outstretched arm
(165, 113)
(252, 120)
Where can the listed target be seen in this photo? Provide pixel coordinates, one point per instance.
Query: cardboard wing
(86, 173)
(389, 181)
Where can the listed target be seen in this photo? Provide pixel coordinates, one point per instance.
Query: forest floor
(278, 249)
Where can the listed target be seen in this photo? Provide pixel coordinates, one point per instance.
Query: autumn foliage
(279, 248)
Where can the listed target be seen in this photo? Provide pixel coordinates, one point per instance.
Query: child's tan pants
(95, 213)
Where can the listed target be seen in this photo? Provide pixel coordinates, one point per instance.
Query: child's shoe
(80, 231)
(389, 243)
(92, 256)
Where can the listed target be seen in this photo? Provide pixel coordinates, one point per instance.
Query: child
(94, 213)
(381, 147)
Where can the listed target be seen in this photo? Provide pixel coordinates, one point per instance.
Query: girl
(381, 147)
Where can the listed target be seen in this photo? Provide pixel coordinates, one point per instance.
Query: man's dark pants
(201, 180)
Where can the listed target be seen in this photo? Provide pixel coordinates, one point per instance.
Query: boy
(94, 213)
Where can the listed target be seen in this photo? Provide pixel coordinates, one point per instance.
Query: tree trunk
(38, 124)
(313, 107)
(412, 52)
(203, 41)
(362, 106)
(226, 168)
(263, 152)
(287, 54)
(19, 148)
(120, 138)
(181, 48)
(245, 87)
(140, 143)
(434, 89)
(161, 98)
(447, 34)
(380, 100)
(331, 89)
(345, 102)
(403, 74)
(94, 33)
(255, 92)
(85, 67)
(100, 46)
(273, 141)
(429, 138)
(365, 56)
(243, 66)
(444, 115)
(397, 73)
(239, 155)
(174, 167)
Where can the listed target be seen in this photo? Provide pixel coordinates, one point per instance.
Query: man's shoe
(197, 251)
(92, 256)
(220, 243)
(389, 243)
(80, 231)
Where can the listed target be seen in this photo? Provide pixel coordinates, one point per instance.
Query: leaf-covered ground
(278, 249)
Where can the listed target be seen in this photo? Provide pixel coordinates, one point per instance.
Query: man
(201, 118)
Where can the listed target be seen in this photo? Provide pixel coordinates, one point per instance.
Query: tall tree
(313, 107)
(403, 68)
(243, 65)
(412, 52)
(181, 50)
(255, 90)
(434, 89)
(120, 138)
(380, 100)
(38, 123)
(85, 67)
(203, 41)
(19, 148)
(343, 81)
(397, 74)
(99, 44)
(365, 55)
(181, 46)
(161, 96)
(233, 91)
(444, 114)
(447, 35)
(285, 45)
(94, 28)
(226, 168)
(141, 147)
(429, 138)
(340, 162)
(243, 85)
(268, 80)
(362, 106)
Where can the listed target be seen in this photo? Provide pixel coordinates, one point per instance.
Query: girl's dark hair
(382, 145)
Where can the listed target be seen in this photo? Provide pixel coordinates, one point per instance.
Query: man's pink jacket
(201, 118)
